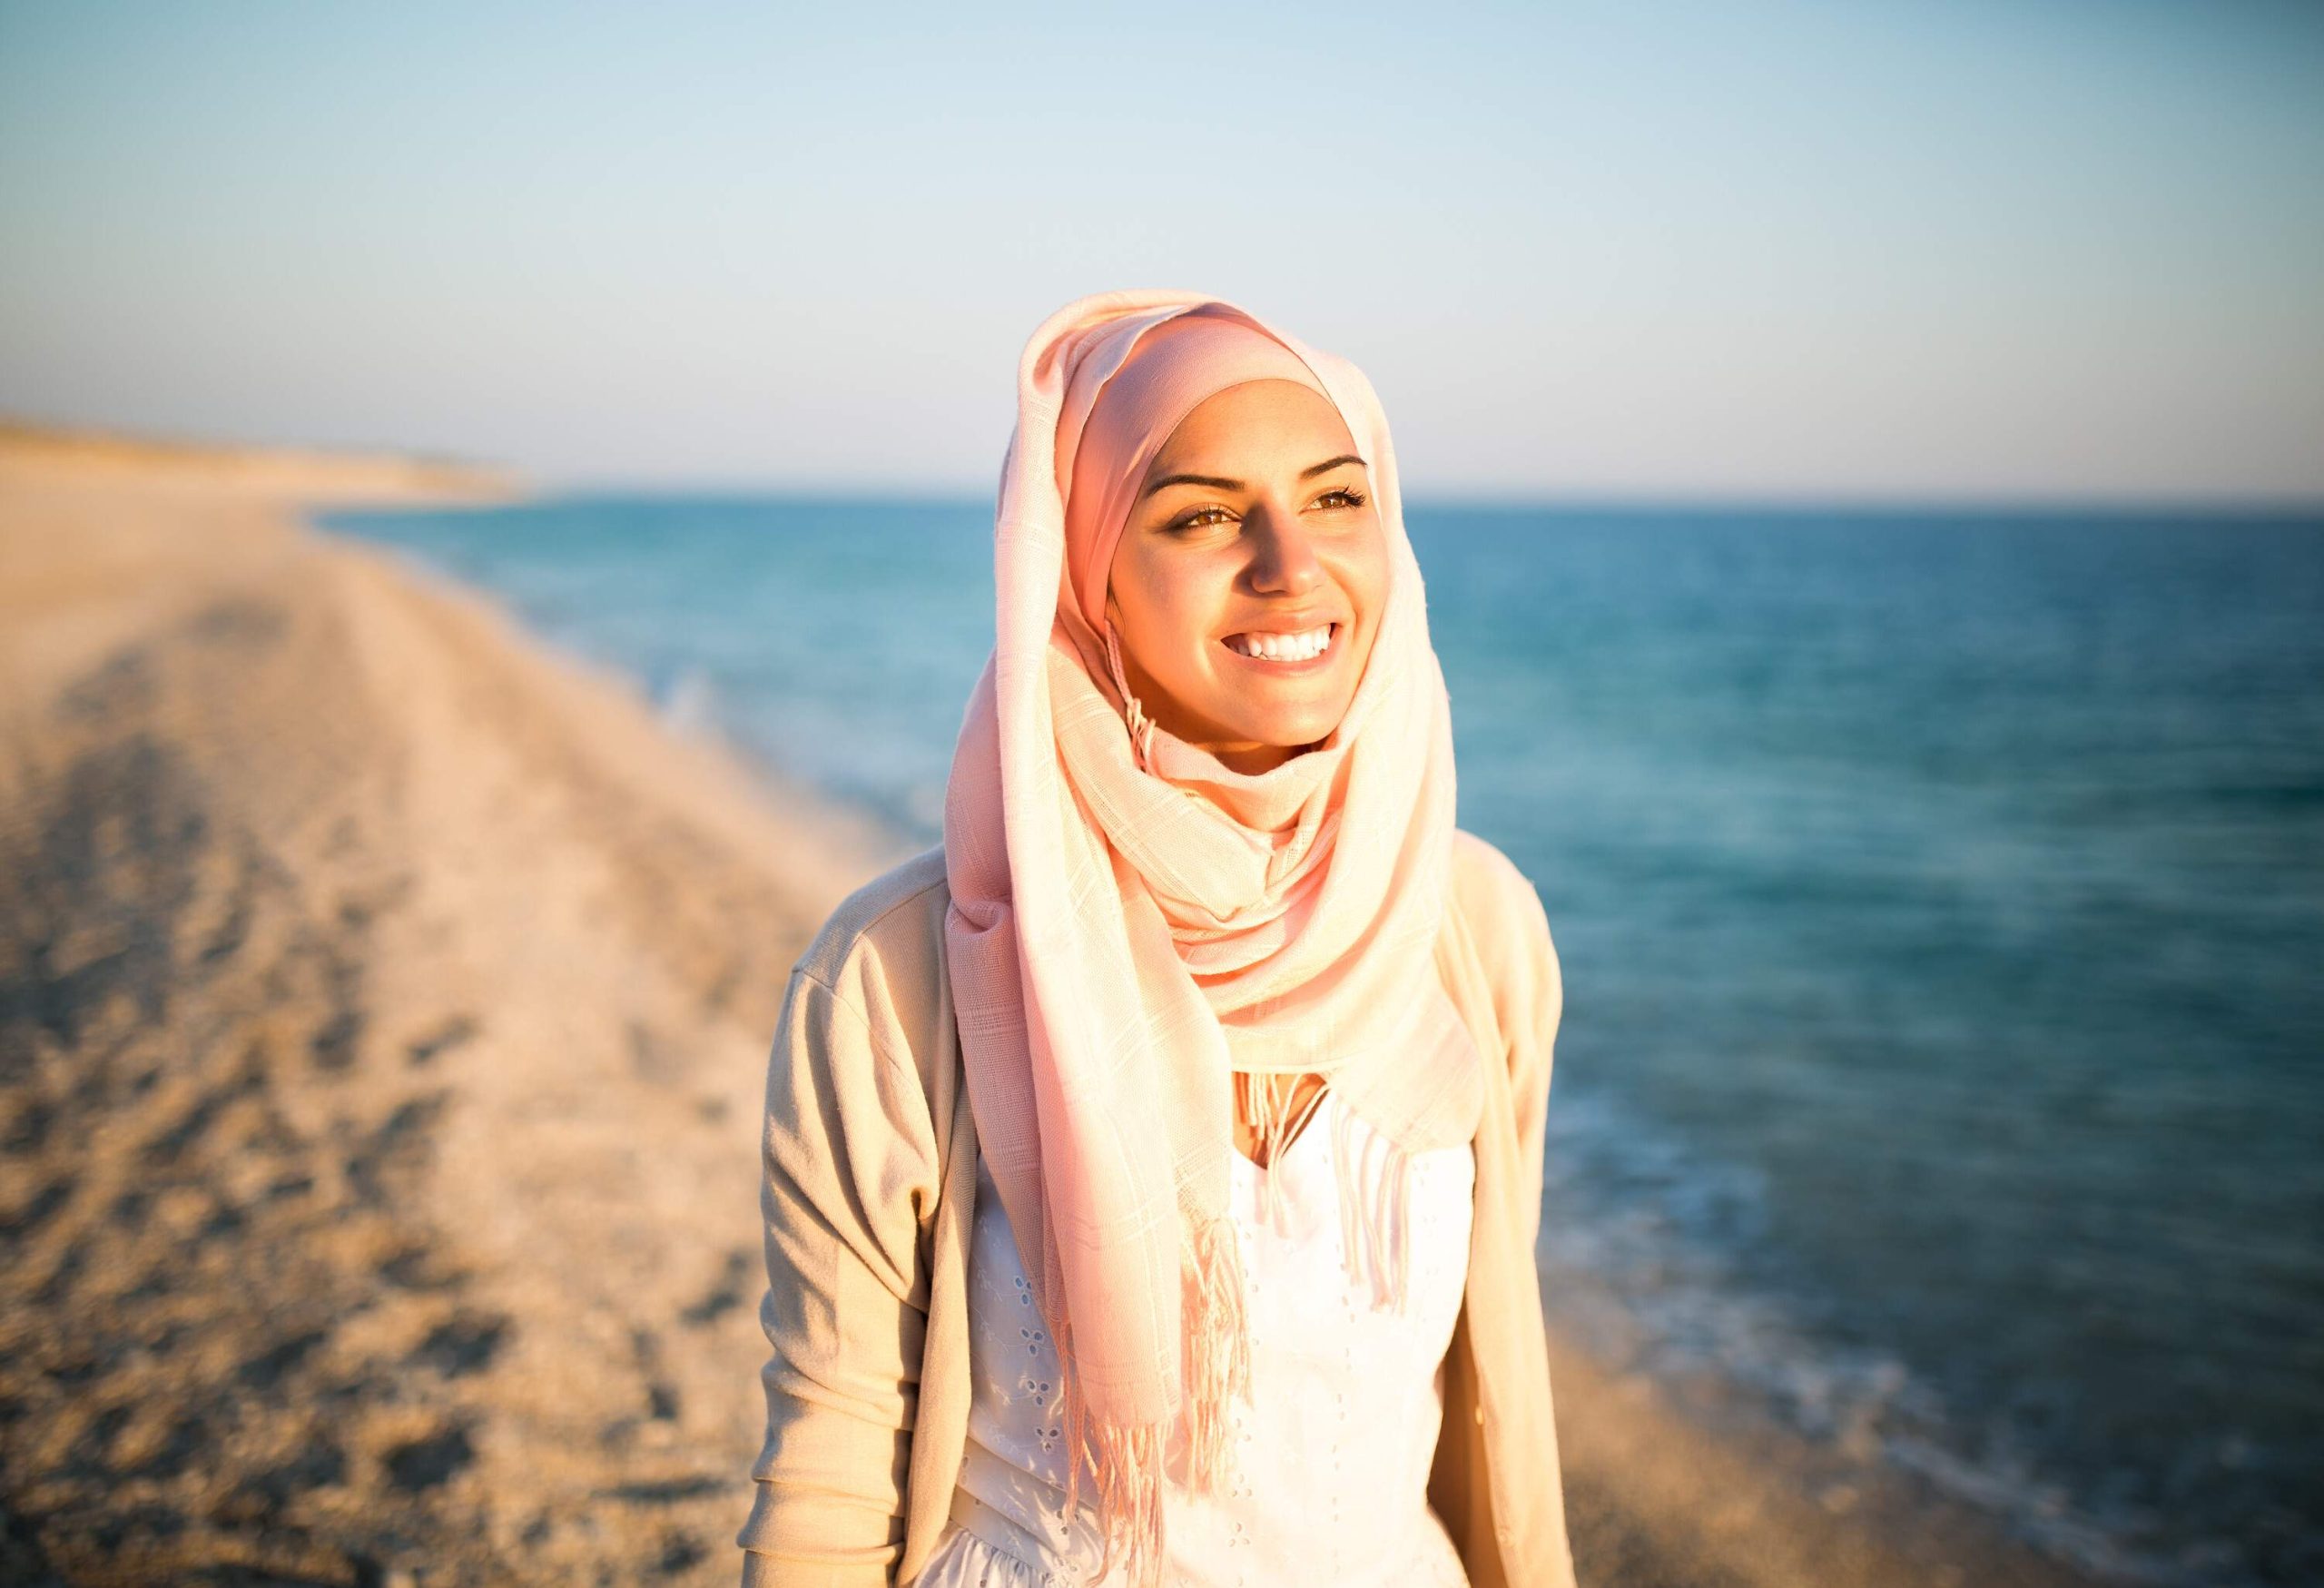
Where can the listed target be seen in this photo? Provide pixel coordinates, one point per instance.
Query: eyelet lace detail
(1347, 1392)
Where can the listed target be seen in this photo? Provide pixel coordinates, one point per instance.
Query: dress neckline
(1328, 1098)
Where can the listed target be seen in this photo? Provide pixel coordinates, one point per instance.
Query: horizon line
(1496, 499)
(547, 485)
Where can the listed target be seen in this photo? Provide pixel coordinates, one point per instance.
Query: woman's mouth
(1308, 651)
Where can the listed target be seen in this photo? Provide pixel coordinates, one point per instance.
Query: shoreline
(385, 1018)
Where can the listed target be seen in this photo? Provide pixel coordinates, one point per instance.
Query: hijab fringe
(1217, 1335)
(1375, 1212)
(1129, 1463)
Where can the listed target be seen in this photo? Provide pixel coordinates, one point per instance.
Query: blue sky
(1870, 250)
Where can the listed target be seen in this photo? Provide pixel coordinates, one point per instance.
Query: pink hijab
(1133, 923)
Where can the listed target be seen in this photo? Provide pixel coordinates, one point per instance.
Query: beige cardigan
(868, 1191)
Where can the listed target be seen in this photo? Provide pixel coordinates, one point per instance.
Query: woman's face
(1254, 531)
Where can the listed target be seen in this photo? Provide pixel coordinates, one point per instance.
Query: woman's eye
(1341, 499)
(1199, 517)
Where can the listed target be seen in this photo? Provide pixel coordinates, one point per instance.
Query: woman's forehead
(1259, 421)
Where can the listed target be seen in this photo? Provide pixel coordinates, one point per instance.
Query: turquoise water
(1941, 900)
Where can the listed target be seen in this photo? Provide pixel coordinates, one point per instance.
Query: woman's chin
(1290, 733)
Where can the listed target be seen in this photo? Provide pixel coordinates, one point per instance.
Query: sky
(1874, 250)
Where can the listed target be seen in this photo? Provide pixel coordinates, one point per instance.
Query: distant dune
(383, 1012)
(281, 474)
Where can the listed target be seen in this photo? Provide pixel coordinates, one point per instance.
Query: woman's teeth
(1282, 647)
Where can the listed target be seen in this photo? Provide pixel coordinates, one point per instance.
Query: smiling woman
(1062, 1288)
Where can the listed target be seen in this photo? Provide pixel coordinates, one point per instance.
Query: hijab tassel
(1126, 1464)
(1375, 1212)
(1217, 1334)
(1129, 1464)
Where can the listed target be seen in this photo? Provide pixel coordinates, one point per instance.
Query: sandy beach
(383, 1010)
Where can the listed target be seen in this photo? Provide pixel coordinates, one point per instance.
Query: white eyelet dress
(1333, 1449)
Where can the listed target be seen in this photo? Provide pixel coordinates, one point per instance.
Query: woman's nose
(1283, 554)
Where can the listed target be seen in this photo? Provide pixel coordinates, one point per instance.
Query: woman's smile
(1284, 653)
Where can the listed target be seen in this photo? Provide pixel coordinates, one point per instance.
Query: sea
(1940, 899)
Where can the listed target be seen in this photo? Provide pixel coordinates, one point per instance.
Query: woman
(1062, 1285)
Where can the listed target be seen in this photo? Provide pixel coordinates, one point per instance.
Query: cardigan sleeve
(849, 1163)
(1511, 931)
(1534, 1045)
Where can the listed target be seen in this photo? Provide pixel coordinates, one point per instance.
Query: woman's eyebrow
(1217, 483)
(1212, 481)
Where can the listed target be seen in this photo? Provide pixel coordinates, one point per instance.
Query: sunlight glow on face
(1256, 516)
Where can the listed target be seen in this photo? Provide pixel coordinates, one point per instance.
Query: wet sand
(383, 1011)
